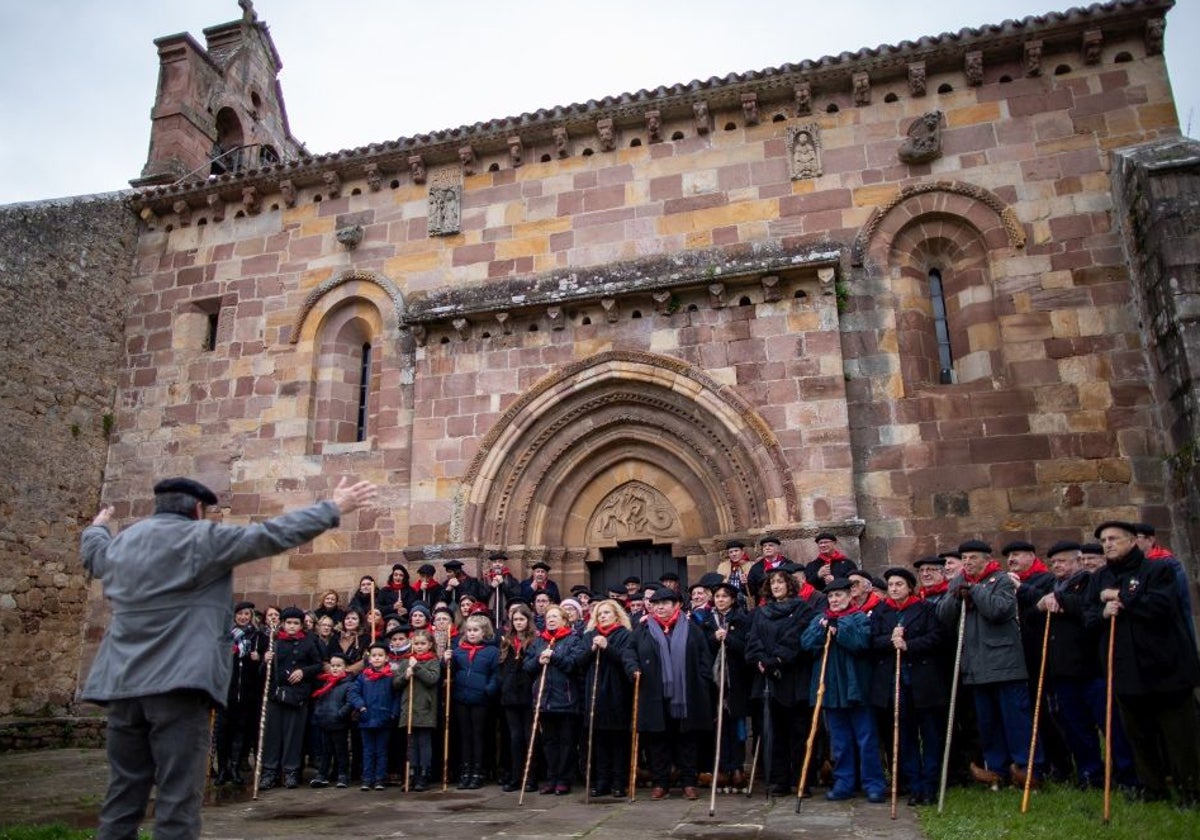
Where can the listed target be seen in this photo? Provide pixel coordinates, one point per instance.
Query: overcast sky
(77, 77)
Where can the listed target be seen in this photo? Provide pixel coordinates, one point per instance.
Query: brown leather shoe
(985, 776)
(658, 793)
(1017, 776)
(691, 792)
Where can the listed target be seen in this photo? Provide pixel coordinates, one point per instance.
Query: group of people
(762, 666)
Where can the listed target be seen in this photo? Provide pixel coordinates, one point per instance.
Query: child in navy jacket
(331, 713)
(476, 666)
(378, 708)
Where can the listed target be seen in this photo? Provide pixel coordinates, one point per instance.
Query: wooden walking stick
(587, 773)
(712, 796)
(816, 721)
(896, 736)
(408, 740)
(537, 710)
(633, 744)
(753, 764)
(962, 628)
(262, 715)
(1037, 708)
(442, 642)
(371, 613)
(209, 790)
(1108, 719)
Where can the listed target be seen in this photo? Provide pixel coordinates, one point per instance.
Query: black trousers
(472, 725)
(558, 743)
(672, 747)
(1164, 733)
(610, 756)
(335, 755)
(520, 721)
(284, 739)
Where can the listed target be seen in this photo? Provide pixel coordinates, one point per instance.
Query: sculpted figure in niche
(804, 152)
(608, 139)
(862, 89)
(654, 126)
(445, 211)
(803, 99)
(466, 156)
(416, 168)
(560, 142)
(916, 78)
(374, 179)
(924, 141)
(974, 68)
(1033, 58)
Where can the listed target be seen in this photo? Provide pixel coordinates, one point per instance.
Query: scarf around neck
(373, 674)
(552, 637)
(328, 681)
(470, 649)
(672, 654)
(901, 606)
(990, 569)
(1036, 567)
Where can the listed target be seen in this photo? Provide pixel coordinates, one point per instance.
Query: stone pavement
(66, 786)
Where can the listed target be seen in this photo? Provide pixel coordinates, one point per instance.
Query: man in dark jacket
(502, 587)
(163, 661)
(238, 721)
(1155, 667)
(830, 562)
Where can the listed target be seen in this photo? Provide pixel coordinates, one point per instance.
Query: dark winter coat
(737, 672)
(291, 654)
(515, 682)
(921, 664)
(642, 655)
(1031, 619)
(992, 649)
(563, 689)
(377, 702)
(774, 641)
(426, 677)
(475, 680)
(614, 691)
(245, 685)
(848, 669)
(841, 567)
(332, 710)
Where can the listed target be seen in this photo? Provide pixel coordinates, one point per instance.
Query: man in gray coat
(164, 659)
(993, 663)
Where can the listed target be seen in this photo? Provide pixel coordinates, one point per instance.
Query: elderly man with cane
(163, 661)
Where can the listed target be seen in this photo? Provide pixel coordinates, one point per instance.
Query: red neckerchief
(990, 569)
(397, 655)
(1034, 568)
(901, 606)
(328, 681)
(515, 643)
(560, 633)
(423, 657)
(772, 565)
(607, 630)
(833, 557)
(1159, 553)
(395, 587)
(806, 591)
(871, 603)
(503, 573)
(829, 613)
(285, 636)
(420, 585)
(670, 622)
(372, 674)
(470, 649)
(733, 564)
(936, 589)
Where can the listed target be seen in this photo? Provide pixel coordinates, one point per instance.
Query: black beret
(931, 560)
(188, 487)
(837, 584)
(402, 627)
(1017, 545)
(426, 569)
(1115, 523)
(861, 573)
(789, 567)
(974, 545)
(900, 571)
(616, 589)
(734, 544)
(581, 588)
(541, 564)
(243, 605)
(824, 535)
(664, 593)
(632, 579)
(668, 576)
(1092, 548)
(1143, 529)
(291, 612)
(727, 587)
(956, 554)
(497, 555)
(452, 565)
(1061, 546)
(710, 579)
(769, 539)
(878, 582)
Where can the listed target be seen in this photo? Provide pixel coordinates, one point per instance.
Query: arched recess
(335, 289)
(945, 233)
(624, 445)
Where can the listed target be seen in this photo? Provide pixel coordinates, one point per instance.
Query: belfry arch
(624, 446)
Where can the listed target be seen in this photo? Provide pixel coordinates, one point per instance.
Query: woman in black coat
(674, 693)
(557, 654)
(781, 673)
(906, 623)
(728, 622)
(516, 689)
(607, 638)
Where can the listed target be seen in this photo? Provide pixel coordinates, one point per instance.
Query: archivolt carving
(1012, 226)
(634, 510)
(332, 283)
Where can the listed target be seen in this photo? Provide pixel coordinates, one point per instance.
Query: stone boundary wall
(51, 733)
(64, 275)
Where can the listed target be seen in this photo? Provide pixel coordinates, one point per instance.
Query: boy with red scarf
(378, 708)
(331, 712)
(416, 681)
(295, 669)
(993, 663)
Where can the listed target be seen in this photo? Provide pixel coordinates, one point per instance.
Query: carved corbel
(466, 157)
(1033, 58)
(750, 108)
(662, 302)
(288, 190)
(716, 295)
(562, 145)
(374, 179)
(654, 126)
(516, 151)
(462, 328)
(416, 168)
(826, 277)
(250, 200)
(420, 335)
(803, 99)
(502, 318)
(349, 236)
(973, 67)
(772, 292)
(916, 78)
(611, 311)
(923, 140)
(554, 315)
(860, 85)
(148, 216)
(1155, 29)
(184, 211)
(606, 134)
(333, 183)
(700, 115)
(1093, 40)
(216, 207)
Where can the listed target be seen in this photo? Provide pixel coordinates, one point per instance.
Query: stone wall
(64, 275)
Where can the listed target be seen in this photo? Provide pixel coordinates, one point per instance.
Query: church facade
(900, 295)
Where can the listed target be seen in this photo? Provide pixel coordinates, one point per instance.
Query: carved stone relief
(631, 511)
(973, 66)
(916, 78)
(1033, 58)
(654, 126)
(861, 87)
(416, 168)
(217, 207)
(700, 113)
(804, 151)
(466, 157)
(1093, 40)
(924, 141)
(184, 211)
(1155, 29)
(803, 99)
(333, 183)
(516, 151)
(750, 108)
(606, 133)
(374, 178)
(562, 145)
(445, 210)
(250, 200)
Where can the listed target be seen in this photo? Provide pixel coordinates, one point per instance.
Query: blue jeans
(375, 754)
(848, 729)
(1003, 711)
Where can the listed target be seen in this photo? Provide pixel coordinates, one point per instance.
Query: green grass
(1054, 813)
(55, 831)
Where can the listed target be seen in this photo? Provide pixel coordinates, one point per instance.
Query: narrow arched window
(364, 390)
(941, 327)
